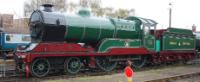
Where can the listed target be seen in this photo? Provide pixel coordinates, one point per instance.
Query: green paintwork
(180, 31)
(84, 12)
(157, 45)
(149, 42)
(178, 39)
(135, 43)
(118, 43)
(85, 28)
(178, 42)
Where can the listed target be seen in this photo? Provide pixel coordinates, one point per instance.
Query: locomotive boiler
(81, 27)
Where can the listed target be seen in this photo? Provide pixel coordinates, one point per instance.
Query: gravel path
(140, 76)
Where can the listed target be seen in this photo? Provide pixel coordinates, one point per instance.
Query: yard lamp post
(170, 15)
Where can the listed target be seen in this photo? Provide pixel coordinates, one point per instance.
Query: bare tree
(61, 5)
(71, 6)
(97, 10)
(122, 13)
(31, 5)
(132, 12)
(109, 11)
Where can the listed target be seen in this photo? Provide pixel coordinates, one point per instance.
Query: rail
(7, 67)
(176, 77)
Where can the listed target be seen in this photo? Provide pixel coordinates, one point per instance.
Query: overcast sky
(185, 13)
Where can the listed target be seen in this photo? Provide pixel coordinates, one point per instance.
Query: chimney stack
(47, 7)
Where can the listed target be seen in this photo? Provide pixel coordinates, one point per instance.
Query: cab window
(146, 30)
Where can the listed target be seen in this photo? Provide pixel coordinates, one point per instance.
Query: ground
(140, 76)
(146, 74)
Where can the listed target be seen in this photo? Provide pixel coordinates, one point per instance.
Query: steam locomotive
(70, 42)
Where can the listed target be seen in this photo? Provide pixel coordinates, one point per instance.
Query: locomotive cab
(148, 31)
(45, 25)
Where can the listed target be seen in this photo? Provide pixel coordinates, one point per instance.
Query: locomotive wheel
(72, 65)
(104, 64)
(140, 62)
(40, 67)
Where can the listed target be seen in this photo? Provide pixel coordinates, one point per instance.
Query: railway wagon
(70, 42)
(197, 35)
(10, 41)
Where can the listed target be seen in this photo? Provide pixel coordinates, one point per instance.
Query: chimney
(47, 7)
(193, 28)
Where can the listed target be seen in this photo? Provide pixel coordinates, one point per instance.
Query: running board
(123, 59)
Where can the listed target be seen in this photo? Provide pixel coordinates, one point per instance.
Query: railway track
(96, 72)
(116, 72)
(176, 77)
(21, 77)
(182, 76)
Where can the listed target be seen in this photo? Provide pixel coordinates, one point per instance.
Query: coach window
(26, 38)
(7, 37)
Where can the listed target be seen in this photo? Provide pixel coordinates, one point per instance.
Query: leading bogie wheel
(40, 67)
(72, 65)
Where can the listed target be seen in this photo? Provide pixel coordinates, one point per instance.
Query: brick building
(8, 24)
(21, 25)
(6, 20)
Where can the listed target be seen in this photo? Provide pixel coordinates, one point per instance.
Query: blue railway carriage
(9, 42)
